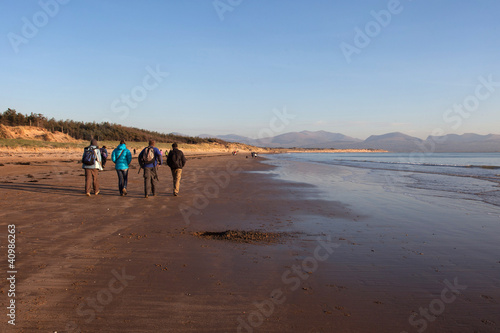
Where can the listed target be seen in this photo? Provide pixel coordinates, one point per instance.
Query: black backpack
(89, 156)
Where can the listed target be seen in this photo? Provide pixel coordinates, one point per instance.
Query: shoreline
(24, 154)
(69, 253)
(343, 262)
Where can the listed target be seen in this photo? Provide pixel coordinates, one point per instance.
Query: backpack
(89, 156)
(147, 157)
(175, 160)
(104, 153)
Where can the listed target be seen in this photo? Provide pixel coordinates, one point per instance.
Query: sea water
(470, 176)
(411, 223)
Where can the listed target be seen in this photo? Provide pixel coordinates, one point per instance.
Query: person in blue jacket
(122, 157)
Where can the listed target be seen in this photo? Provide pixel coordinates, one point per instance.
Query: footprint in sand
(488, 322)
(489, 298)
(341, 309)
(163, 268)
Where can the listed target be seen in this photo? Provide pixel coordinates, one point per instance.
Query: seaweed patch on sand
(239, 236)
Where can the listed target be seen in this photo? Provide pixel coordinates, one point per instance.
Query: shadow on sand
(50, 189)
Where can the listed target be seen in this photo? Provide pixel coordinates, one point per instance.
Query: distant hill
(228, 138)
(304, 139)
(395, 142)
(468, 142)
(308, 139)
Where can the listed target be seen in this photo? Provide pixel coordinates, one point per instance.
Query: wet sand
(128, 264)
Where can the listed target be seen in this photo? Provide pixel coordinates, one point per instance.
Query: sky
(256, 68)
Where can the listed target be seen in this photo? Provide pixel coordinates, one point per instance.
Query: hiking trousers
(176, 176)
(150, 181)
(91, 180)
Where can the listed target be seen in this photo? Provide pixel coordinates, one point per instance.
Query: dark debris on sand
(242, 236)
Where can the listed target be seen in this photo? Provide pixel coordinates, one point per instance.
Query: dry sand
(128, 264)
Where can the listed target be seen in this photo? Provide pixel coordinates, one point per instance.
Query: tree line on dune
(100, 131)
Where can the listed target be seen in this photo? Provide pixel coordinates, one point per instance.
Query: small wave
(490, 167)
(401, 163)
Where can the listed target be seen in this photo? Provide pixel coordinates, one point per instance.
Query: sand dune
(34, 133)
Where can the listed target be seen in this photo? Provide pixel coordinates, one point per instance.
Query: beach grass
(24, 143)
(110, 145)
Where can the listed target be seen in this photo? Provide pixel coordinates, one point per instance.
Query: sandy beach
(342, 175)
(297, 261)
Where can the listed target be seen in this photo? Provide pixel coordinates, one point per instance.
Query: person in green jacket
(122, 157)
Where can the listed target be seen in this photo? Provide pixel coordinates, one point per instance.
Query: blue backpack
(89, 156)
(104, 152)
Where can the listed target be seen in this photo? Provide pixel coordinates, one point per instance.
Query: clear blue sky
(230, 69)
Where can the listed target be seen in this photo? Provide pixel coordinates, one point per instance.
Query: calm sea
(474, 176)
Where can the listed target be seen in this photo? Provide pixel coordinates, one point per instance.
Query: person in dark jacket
(150, 169)
(104, 156)
(176, 161)
(122, 157)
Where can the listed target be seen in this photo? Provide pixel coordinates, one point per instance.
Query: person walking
(122, 158)
(149, 160)
(176, 161)
(91, 163)
(104, 156)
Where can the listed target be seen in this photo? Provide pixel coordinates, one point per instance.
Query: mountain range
(394, 142)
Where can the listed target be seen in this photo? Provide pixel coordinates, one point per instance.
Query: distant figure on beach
(176, 161)
(91, 163)
(134, 152)
(122, 157)
(104, 156)
(149, 160)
